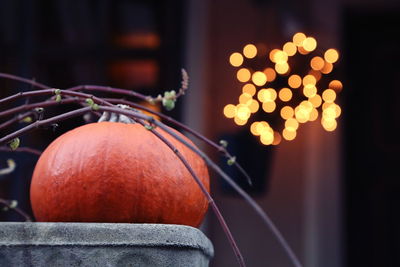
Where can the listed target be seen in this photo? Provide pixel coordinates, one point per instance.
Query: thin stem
(15, 119)
(109, 89)
(52, 91)
(40, 123)
(18, 210)
(24, 80)
(35, 105)
(22, 149)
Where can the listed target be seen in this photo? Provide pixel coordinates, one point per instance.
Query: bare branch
(12, 205)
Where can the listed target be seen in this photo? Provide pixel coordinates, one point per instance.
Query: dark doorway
(372, 155)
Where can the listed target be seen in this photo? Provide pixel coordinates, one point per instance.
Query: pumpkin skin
(117, 172)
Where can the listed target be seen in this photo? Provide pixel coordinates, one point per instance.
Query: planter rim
(100, 234)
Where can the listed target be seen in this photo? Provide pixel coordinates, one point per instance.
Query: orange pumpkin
(116, 172)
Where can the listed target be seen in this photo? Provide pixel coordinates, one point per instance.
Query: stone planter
(102, 244)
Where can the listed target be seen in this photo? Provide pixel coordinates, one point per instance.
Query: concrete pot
(103, 244)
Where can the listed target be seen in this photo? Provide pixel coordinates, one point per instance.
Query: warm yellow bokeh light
(309, 44)
(254, 106)
(243, 75)
(259, 78)
(317, 63)
(271, 74)
(328, 67)
(282, 68)
(230, 111)
(290, 49)
(329, 113)
(265, 128)
(294, 81)
(309, 90)
(313, 114)
(236, 59)
(285, 94)
(250, 51)
(239, 121)
(307, 105)
(291, 124)
(332, 110)
(298, 38)
(264, 95)
(280, 57)
(316, 100)
(287, 112)
(289, 135)
(269, 106)
(309, 79)
(329, 125)
(272, 93)
(336, 85)
(326, 105)
(245, 98)
(331, 55)
(267, 138)
(253, 128)
(329, 95)
(243, 112)
(249, 88)
(272, 54)
(302, 114)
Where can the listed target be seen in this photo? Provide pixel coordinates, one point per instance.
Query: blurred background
(333, 194)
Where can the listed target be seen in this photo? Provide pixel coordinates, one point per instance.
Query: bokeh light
(259, 78)
(294, 81)
(236, 59)
(249, 89)
(298, 38)
(287, 112)
(243, 75)
(285, 94)
(271, 74)
(250, 51)
(309, 44)
(317, 63)
(304, 95)
(331, 55)
(290, 48)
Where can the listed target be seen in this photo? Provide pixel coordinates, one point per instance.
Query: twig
(10, 205)
(17, 118)
(24, 80)
(22, 149)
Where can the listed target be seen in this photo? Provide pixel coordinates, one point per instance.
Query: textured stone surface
(102, 244)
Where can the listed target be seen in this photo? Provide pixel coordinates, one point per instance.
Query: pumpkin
(117, 172)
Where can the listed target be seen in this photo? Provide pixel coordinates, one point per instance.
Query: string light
(236, 59)
(243, 75)
(250, 51)
(315, 96)
(259, 78)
